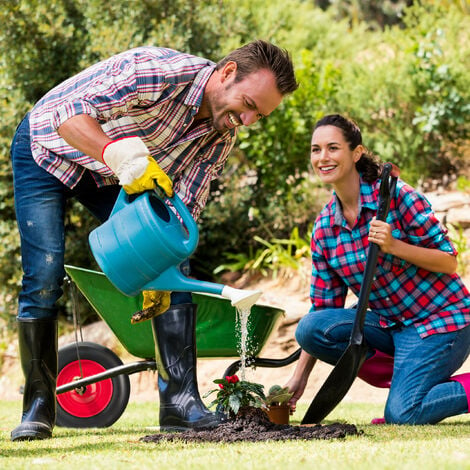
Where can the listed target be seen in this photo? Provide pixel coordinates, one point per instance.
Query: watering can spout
(173, 280)
(240, 298)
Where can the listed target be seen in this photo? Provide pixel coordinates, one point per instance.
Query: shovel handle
(387, 187)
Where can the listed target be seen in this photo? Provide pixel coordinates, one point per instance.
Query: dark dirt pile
(252, 425)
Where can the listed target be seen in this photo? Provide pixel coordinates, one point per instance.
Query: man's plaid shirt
(149, 92)
(402, 293)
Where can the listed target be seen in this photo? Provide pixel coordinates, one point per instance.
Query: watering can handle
(182, 210)
(121, 201)
(188, 221)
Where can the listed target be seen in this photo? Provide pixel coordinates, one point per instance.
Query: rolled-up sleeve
(70, 109)
(420, 223)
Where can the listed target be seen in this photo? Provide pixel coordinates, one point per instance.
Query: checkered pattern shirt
(149, 92)
(402, 293)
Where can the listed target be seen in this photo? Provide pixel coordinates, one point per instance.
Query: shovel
(346, 369)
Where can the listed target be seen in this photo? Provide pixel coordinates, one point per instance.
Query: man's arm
(85, 134)
(128, 158)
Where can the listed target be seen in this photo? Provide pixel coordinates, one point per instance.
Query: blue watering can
(142, 244)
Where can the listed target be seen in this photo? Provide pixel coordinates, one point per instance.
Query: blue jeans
(420, 392)
(40, 211)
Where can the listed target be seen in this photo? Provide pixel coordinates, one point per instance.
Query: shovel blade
(337, 384)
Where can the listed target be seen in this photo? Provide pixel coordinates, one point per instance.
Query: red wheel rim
(96, 396)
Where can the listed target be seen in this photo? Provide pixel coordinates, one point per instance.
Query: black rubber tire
(104, 402)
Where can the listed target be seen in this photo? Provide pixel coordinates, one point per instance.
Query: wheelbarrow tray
(216, 332)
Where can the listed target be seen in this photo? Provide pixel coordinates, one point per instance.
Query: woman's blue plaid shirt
(402, 293)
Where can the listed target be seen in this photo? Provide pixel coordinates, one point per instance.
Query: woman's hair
(369, 164)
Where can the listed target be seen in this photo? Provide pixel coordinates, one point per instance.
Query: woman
(419, 308)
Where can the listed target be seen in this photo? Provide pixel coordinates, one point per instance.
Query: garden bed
(253, 425)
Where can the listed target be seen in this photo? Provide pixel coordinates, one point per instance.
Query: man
(145, 115)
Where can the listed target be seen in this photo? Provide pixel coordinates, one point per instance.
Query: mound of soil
(253, 425)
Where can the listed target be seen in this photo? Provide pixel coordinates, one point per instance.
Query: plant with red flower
(234, 393)
(232, 379)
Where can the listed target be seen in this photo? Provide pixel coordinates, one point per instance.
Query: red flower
(221, 385)
(232, 379)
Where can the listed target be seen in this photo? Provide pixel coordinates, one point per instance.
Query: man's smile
(233, 120)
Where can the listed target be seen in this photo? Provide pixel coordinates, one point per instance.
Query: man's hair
(258, 55)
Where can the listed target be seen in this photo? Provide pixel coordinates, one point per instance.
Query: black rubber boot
(181, 407)
(38, 352)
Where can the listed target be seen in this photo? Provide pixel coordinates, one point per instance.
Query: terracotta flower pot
(279, 414)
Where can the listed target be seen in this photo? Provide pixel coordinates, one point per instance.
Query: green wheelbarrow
(93, 384)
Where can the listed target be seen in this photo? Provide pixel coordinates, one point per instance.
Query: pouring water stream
(242, 324)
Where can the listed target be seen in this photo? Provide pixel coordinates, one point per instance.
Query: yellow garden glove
(152, 174)
(155, 303)
(130, 161)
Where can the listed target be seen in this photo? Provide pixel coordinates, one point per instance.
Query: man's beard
(219, 114)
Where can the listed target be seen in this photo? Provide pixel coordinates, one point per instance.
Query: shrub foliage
(399, 70)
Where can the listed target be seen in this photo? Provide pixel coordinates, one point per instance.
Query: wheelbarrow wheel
(97, 405)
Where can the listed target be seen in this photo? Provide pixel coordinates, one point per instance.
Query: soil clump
(253, 425)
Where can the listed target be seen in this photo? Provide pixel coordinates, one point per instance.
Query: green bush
(406, 85)
(410, 92)
(44, 42)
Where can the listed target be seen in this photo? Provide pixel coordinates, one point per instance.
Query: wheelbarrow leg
(181, 406)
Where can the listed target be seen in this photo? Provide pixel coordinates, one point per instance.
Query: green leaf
(210, 392)
(234, 403)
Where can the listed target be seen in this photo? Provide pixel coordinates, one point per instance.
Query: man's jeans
(420, 392)
(40, 211)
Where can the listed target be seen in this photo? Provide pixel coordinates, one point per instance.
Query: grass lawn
(443, 446)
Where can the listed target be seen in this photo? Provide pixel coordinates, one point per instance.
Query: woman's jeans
(421, 392)
(40, 211)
